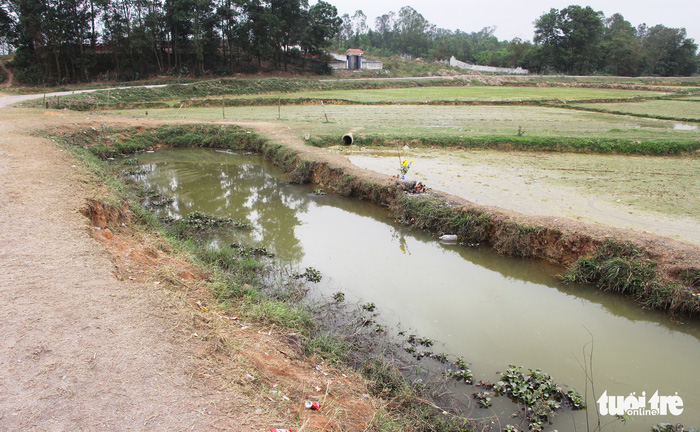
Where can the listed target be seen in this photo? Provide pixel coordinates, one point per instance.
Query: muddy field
(653, 195)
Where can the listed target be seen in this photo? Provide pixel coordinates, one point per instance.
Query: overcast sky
(514, 18)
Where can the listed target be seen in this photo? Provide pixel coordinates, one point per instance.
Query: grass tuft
(622, 267)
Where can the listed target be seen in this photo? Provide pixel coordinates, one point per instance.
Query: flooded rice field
(491, 310)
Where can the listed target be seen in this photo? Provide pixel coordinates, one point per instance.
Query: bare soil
(618, 192)
(105, 328)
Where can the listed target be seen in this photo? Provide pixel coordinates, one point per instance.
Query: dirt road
(80, 349)
(105, 330)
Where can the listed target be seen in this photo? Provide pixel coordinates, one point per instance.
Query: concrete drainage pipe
(348, 139)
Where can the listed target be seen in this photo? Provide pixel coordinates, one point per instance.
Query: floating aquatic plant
(369, 307)
(311, 275)
(483, 399)
(538, 392)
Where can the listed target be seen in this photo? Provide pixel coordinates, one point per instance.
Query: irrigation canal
(491, 310)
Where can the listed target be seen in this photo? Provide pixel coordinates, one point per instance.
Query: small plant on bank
(369, 307)
(311, 275)
(328, 346)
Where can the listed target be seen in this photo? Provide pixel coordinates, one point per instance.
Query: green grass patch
(622, 267)
(358, 90)
(460, 93)
(110, 143)
(408, 410)
(691, 277)
(328, 346)
(526, 126)
(680, 110)
(655, 147)
(124, 98)
(437, 215)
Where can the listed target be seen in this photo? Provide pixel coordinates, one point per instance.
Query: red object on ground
(312, 405)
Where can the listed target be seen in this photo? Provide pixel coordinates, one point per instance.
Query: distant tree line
(574, 40)
(60, 41)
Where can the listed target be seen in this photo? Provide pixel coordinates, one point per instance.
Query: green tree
(50, 37)
(7, 24)
(668, 52)
(227, 13)
(384, 30)
(254, 33)
(288, 26)
(570, 38)
(517, 51)
(323, 25)
(620, 48)
(359, 26)
(411, 32)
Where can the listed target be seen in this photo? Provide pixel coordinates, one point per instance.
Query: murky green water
(492, 310)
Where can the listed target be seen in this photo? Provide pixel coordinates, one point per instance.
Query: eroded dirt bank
(108, 334)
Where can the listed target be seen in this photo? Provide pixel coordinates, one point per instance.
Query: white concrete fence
(456, 63)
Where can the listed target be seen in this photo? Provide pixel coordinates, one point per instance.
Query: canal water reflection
(490, 309)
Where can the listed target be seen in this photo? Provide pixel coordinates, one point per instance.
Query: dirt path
(10, 76)
(104, 329)
(82, 350)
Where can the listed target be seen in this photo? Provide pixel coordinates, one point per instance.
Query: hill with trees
(574, 40)
(66, 41)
